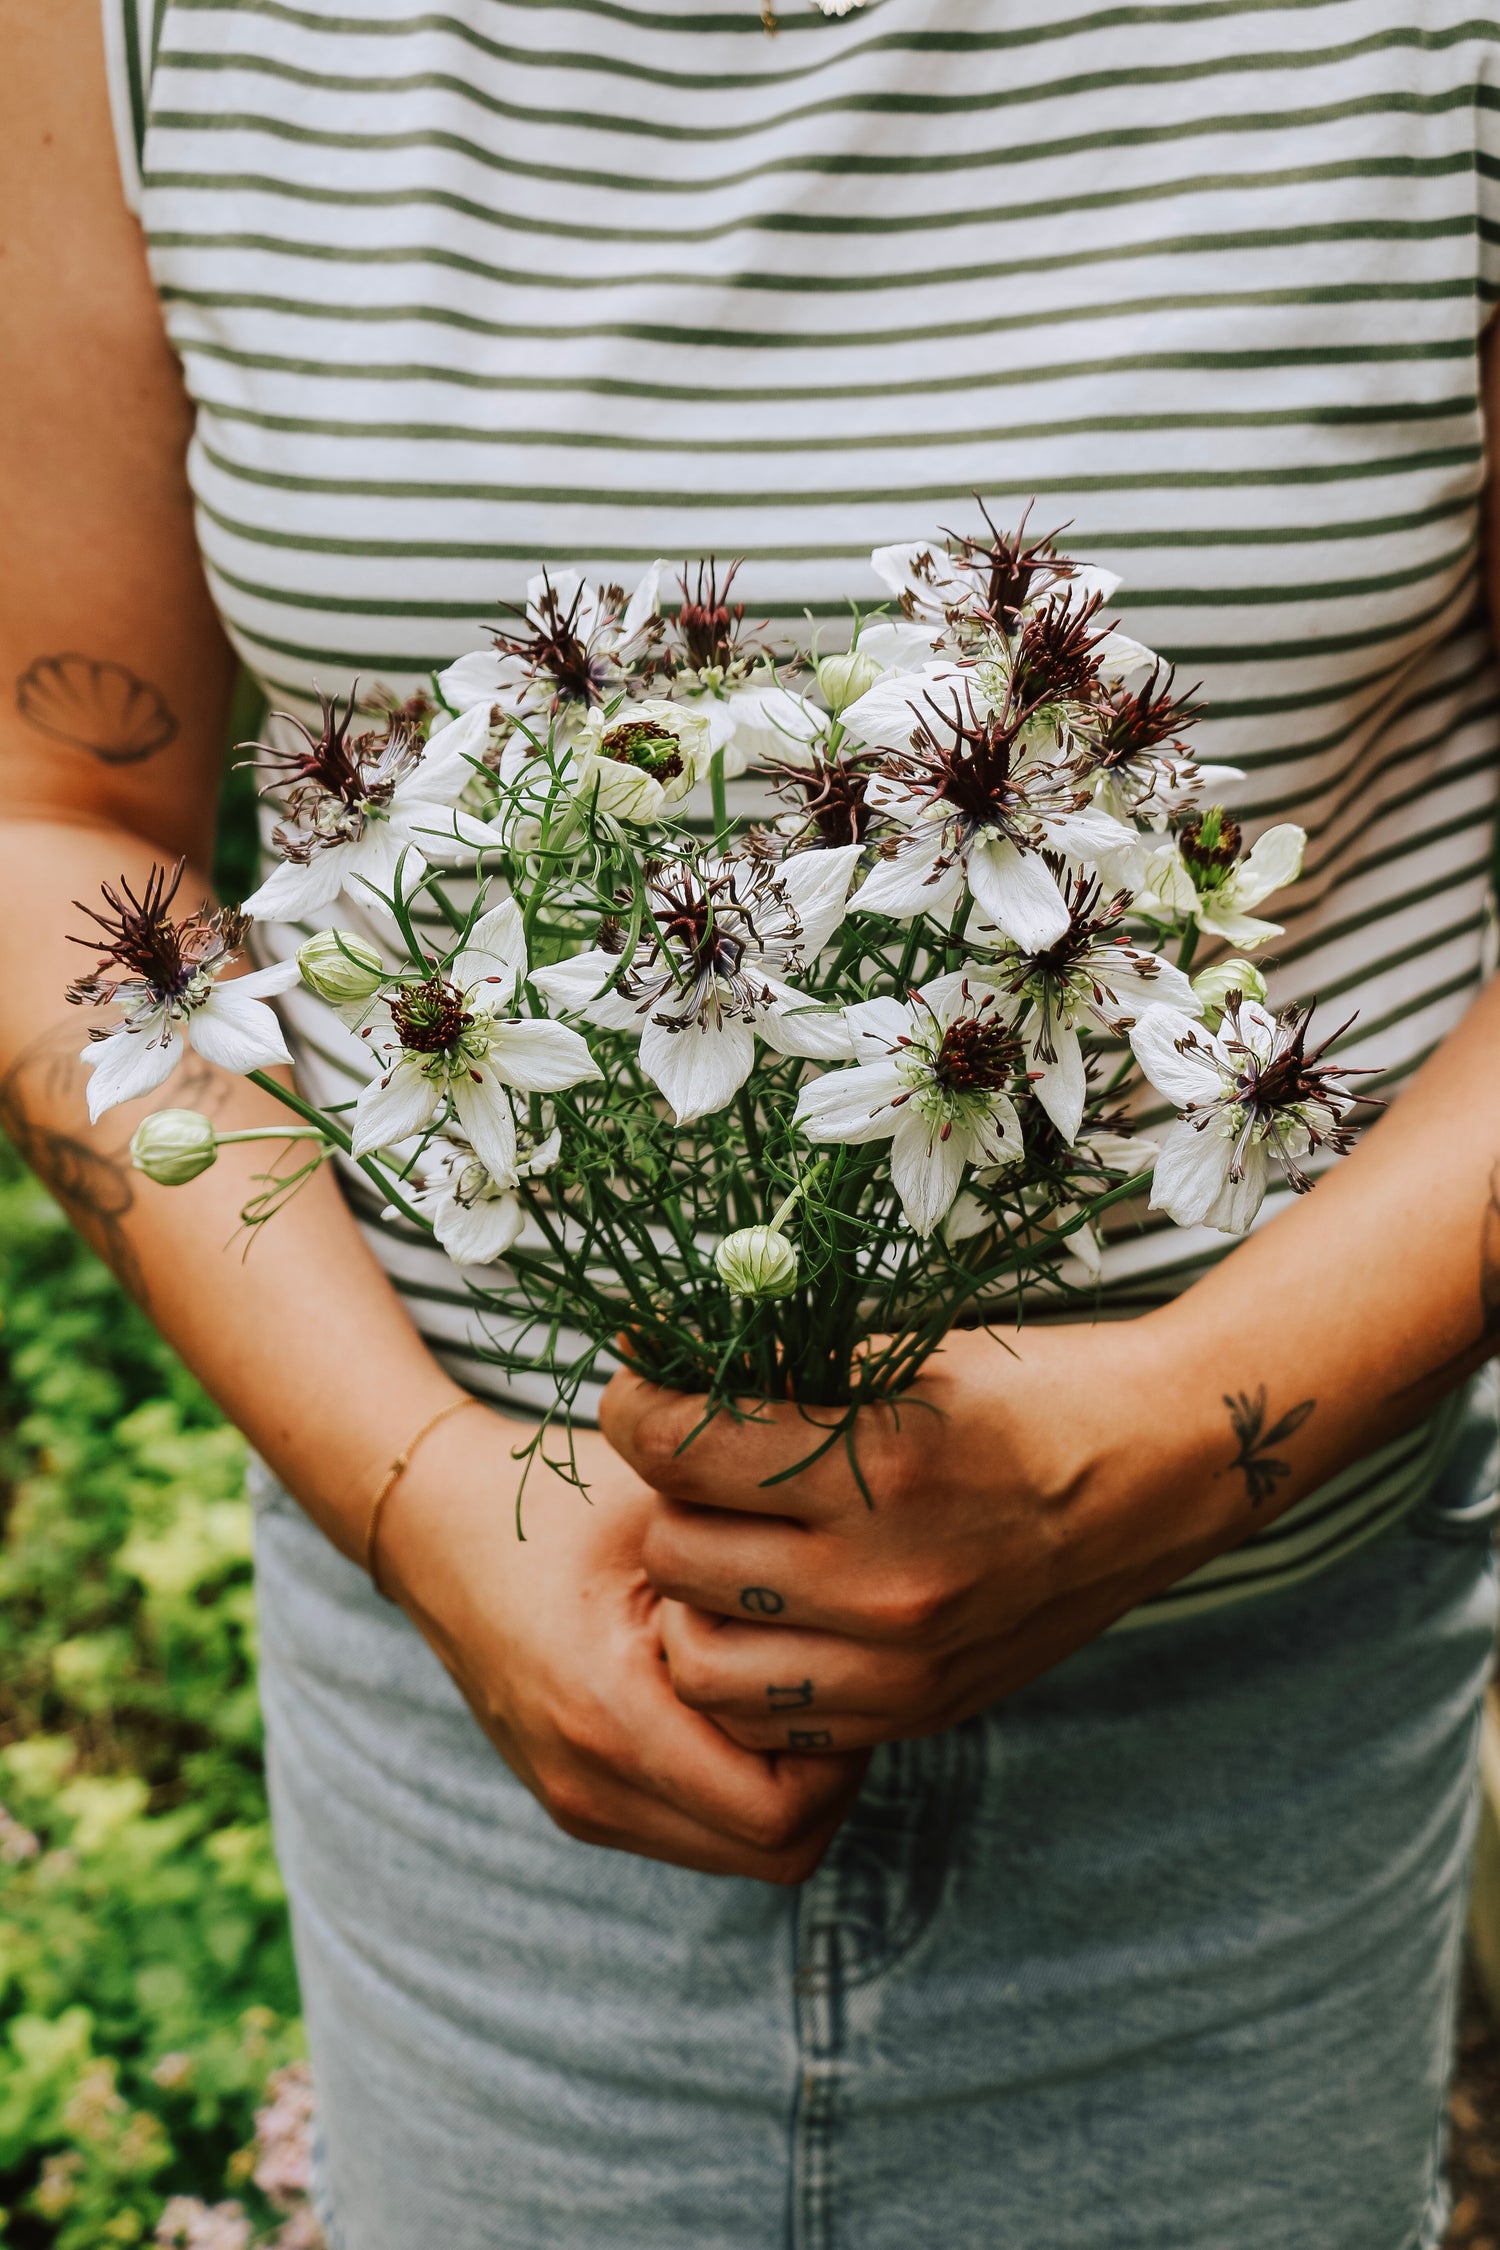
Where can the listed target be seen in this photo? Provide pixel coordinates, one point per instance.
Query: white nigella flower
(475, 1216)
(1138, 767)
(979, 806)
(625, 766)
(757, 721)
(1199, 874)
(1092, 972)
(933, 1077)
(1248, 1093)
(456, 1035)
(575, 651)
(355, 804)
(1098, 1149)
(713, 974)
(168, 988)
(977, 581)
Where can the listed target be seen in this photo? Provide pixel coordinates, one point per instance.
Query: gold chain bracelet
(392, 1477)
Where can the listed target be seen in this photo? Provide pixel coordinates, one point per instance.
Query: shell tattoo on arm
(96, 706)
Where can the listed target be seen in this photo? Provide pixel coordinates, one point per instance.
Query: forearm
(1356, 1310)
(296, 1333)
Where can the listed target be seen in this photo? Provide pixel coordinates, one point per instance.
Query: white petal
(701, 1068)
(1119, 657)
(644, 602)
(1132, 989)
(910, 883)
(1244, 930)
(1191, 1173)
(926, 1169)
(476, 1234)
(541, 1057)
(279, 977)
(887, 714)
(1092, 835)
(128, 1063)
(236, 1031)
(1274, 860)
(817, 883)
(370, 870)
(1088, 579)
(572, 984)
(1239, 1200)
(482, 678)
(997, 1139)
(1019, 892)
(448, 763)
(897, 645)
(1176, 1056)
(387, 1110)
(485, 1114)
(967, 1218)
(494, 948)
(852, 1105)
(876, 1025)
(795, 1025)
(1061, 1085)
(770, 722)
(294, 890)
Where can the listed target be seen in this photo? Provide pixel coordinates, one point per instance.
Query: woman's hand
(556, 1644)
(1022, 1497)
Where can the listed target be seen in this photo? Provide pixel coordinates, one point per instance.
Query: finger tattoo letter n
(790, 1698)
(809, 1738)
(762, 1601)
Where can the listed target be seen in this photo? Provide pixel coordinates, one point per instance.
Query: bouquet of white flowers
(767, 1104)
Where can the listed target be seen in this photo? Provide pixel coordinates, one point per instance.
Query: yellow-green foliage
(146, 1981)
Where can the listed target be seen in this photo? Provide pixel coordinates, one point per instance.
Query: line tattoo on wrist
(809, 1738)
(762, 1601)
(97, 706)
(798, 1698)
(1262, 1470)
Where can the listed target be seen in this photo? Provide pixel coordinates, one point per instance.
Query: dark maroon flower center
(978, 1054)
(430, 1018)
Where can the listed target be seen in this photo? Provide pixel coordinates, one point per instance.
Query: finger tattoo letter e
(762, 1601)
(790, 1698)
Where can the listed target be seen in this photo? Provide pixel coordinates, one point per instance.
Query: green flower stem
(343, 1140)
(1188, 947)
(273, 1133)
(720, 801)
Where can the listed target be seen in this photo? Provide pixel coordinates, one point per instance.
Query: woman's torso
(497, 284)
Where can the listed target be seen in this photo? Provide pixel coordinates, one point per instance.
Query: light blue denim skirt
(1159, 1954)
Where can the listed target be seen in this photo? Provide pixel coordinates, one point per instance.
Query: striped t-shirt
(467, 289)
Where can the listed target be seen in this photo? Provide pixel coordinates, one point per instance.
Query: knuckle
(570, 1804)
(655, 1448)
(908, 1607)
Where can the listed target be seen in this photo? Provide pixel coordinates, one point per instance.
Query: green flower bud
(174, 1146)
(341, 968)
(842, 680)
(1214, 986)
(757, 1262)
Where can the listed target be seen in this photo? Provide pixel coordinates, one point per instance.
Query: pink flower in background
(283, 2157)
(189, 2224)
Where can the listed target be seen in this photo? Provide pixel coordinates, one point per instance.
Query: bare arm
(114, 681)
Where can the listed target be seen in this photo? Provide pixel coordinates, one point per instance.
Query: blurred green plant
(146, 1980)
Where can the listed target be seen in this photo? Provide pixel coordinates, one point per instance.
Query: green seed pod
(757, 1262)
(174, 1146)
(842, 680)
(341, 968)
(1214, 986)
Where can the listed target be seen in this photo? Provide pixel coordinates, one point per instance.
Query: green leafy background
(146, 1978)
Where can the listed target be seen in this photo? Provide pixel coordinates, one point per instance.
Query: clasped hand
(1010, 1512)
